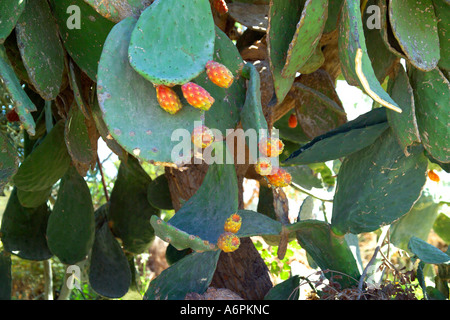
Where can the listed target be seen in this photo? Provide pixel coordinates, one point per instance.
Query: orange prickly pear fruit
(233, 223)
(12, 116)
(271, 147)
(220, 6)
(219, 74)
(433, 176)
(263, 166)
(197, 96)
(279, 178)
(168, 99)
(202, 136)
(228, 242)
(292, 122)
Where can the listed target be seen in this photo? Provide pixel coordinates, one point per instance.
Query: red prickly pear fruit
(271, 147)
(202, 136)
(228, 242)
(220, 6)
(263, 166)
(220, 75)
(433, 176)
(168, 99)
(279, 178)
(292, 122)
(12, 116)
(233, 223)
(197, 96)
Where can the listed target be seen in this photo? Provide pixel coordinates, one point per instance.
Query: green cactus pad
(71, 226)
(193, 273)
(414, 25)
(84, 44)
(330, 251)
(130, 191)
(442, 227)
(5, 276)
(403, 124)
(41, 49)
(158, 193)
(306, 37)
(304, 176)
(342, 141)
(172, 41)
(224, 113)
(9, 160)
(131, 112)
(77, 139)
(23, 230)
(10, 11)
(432, 96)
(314, 62)
(417, 222)
(46, 164)
(427, 252)
(178, 238)
(21, 102)
(377, 185)
(205, 213)
(252, 116)
(117, 10)
(255, 223)
(33, 199)
(286, 290)
(442, 10)
(355, 62)
(382, 59)
(334, 10)
(284, 16)
(109, 272)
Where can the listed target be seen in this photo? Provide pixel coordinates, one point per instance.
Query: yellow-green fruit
(233, 223)
(228, 242)
(263, 166)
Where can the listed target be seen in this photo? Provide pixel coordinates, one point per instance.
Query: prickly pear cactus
(196, 98)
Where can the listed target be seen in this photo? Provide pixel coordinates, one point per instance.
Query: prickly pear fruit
(197, 96)
(433, 176)
(292, 122)
(12, 116)
(168, 99)
(228, 242)
(202, 136)
(219, 74)
(279, 178)
(271, 147)
(233, 223)
(263, 166)
(220, 6)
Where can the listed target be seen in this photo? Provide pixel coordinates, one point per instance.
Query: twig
(48, 277)
(364, 274)
(296, 186)
(103, 179)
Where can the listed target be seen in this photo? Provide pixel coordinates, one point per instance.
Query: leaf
(10, 11)
(427, 252)
(41, 49)
(432, 94)
(404, 125)
(184, 33)
(109, 272)
(23, 230)
(46, 164)
(205, 213)
(355, 61)
(71, 226)
(377, 185)
(442, 227)
(9, 160)
(130, 191)
(21, 102)
(414, 25)
(145, 129)
(84, 42)
(193, 273)
(286, 290)
(342, 141)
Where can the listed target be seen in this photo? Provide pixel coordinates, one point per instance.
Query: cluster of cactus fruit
(131, 73)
